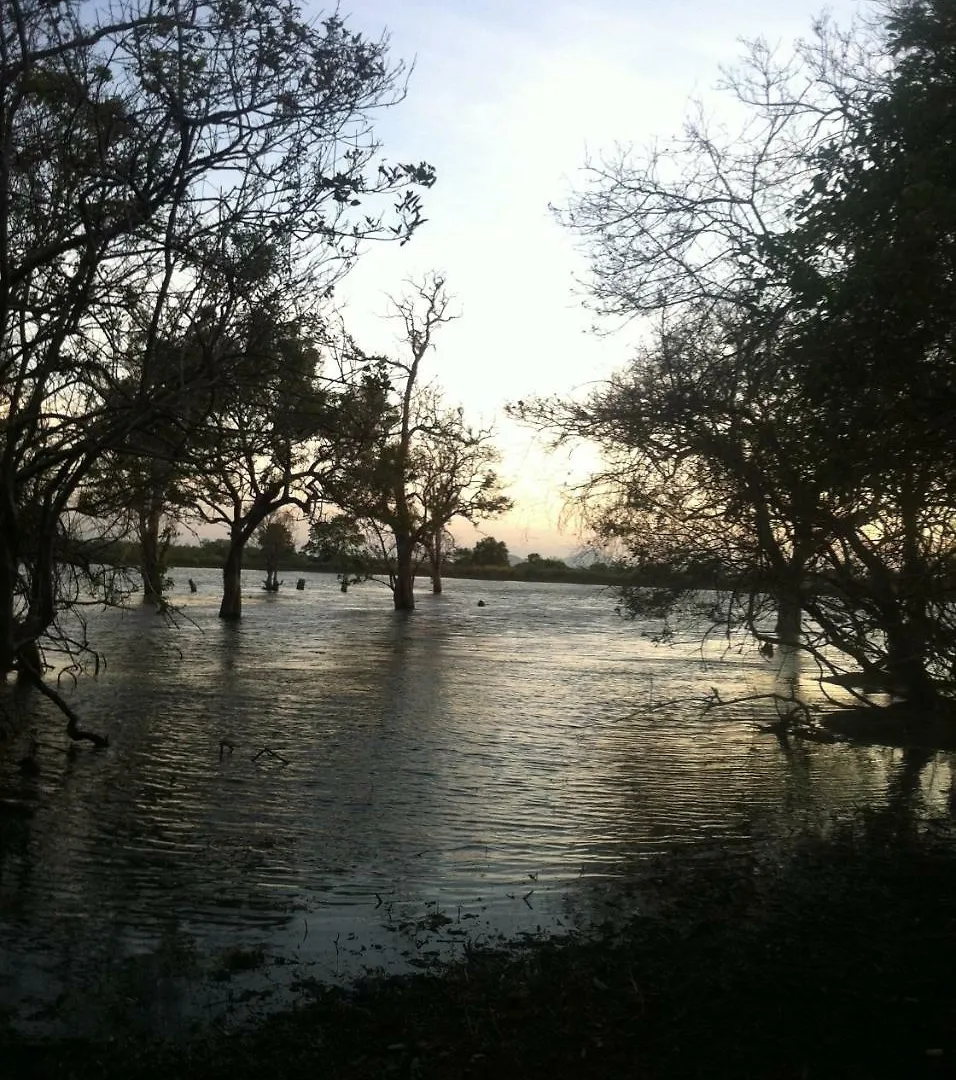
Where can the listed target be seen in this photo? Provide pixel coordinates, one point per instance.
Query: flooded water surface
(332, 788)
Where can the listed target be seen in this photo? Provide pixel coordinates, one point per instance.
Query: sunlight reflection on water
(486, 763)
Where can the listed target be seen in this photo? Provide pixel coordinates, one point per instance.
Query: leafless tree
(428, 466)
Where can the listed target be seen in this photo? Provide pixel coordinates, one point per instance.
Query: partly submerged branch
(73, 728)
(794, 707)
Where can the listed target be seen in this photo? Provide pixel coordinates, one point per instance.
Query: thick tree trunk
(8, 580)
(404, 592)
(151, 562)
(790, 594)
(789, 622)
(907, 641)
(41, 609)
(231, 606)
(29, 662)
(242, 528)
(906, 666)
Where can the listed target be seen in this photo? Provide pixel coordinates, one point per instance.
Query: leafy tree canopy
(491, 552)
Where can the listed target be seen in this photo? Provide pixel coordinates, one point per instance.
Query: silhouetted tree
(491, 552)
(453, 478)
(143, 148)
(789, 424)
(339, 545)
(275, 539)
(428, 465)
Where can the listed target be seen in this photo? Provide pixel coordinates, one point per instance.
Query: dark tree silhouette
(788, 427)
(151, 156)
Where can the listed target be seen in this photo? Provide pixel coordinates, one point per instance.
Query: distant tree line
(273, 552)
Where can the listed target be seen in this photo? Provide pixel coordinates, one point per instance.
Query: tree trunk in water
(151, 566)
(41, 609)
(231, 606)
(8, 580)
(907, 645)
(404, 593)
(906, 666)
(29, 663)
(789, 622)
(435, 554)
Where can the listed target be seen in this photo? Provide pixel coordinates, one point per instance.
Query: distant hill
(581, 559)
(514, 559)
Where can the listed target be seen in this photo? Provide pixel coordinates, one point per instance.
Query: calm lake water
(398, 786)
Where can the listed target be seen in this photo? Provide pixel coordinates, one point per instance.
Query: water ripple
(488, 760)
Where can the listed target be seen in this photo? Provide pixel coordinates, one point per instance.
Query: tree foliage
(490, 552)
(161, 168)
(275, 538)
(787, 428)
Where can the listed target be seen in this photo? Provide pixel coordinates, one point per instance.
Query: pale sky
(506, 100)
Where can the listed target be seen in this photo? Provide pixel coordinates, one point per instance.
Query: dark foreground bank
(834, 958)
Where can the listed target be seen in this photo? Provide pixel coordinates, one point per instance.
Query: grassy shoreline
(832, 960)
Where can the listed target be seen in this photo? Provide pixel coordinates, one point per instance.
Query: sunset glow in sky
(506, 100)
